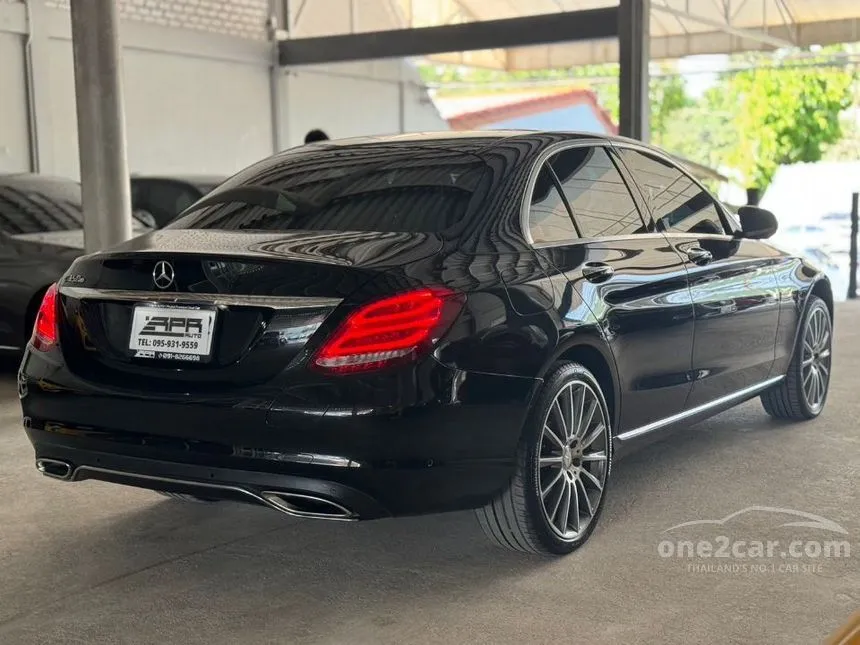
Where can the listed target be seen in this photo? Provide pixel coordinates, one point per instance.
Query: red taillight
(45, 328)
(389, 331)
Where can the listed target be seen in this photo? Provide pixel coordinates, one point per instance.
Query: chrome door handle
(597, 271)
(698, 255)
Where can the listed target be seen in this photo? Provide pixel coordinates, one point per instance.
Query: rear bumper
(452, 452)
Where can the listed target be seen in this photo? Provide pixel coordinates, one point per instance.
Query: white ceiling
(678, 27)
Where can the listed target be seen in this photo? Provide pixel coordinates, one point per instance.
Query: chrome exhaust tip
(301, 505)
(55, 468)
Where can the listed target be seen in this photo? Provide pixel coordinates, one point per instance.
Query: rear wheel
(554, 499)
(803, 392)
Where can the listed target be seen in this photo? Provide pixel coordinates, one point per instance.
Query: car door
(633, 282)
(732, 282)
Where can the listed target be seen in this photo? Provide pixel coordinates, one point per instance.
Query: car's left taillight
(45, 333)
(390, 331)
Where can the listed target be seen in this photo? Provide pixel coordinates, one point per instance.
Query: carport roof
(678, 27)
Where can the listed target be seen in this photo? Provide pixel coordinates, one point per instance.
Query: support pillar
(634, 36)
(101, 123)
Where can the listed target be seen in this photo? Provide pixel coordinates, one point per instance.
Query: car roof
(450, 138)
(34, 181)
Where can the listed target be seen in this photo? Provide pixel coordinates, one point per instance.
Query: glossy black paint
(662, 334)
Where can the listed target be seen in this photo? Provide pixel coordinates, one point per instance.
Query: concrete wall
(200, 96)
(14, 135)
(353, 99)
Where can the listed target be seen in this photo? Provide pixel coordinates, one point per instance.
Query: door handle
(597, 271)
(698, 255)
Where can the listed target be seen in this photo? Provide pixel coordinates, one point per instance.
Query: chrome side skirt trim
(217, 299)
(661, 423)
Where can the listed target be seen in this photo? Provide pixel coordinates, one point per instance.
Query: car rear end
(296, 362)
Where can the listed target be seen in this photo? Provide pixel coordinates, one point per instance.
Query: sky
(700, 72)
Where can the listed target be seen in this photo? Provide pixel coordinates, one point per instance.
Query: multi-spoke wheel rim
(573, 459)
(815, 368)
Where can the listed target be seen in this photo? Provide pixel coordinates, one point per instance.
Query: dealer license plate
(172, 333)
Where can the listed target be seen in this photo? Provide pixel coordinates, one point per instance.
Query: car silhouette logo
(163, 274)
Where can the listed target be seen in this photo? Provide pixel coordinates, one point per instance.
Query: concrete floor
(94, 563)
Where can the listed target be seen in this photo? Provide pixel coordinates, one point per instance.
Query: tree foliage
(748, 124)
(783, 116)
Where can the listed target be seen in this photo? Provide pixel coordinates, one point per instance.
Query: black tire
(187, 497)
(516, 519)
(786, 399)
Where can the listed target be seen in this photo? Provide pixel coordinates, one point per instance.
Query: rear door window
(600, 200)
(549, 219)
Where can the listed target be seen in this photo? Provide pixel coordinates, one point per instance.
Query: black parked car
(41, 232)
(40, 236)
(392, 326)
(163, 197)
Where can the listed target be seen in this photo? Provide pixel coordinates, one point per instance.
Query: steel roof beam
(542, 29)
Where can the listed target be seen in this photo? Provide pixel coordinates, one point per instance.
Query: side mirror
(757, 223)
(145, 217)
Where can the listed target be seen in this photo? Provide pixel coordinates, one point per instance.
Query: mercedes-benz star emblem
(163, 274)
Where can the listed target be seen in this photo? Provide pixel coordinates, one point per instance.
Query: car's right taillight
(390, 331)
(45, 333)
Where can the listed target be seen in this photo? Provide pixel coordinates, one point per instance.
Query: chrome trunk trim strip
(217, 299)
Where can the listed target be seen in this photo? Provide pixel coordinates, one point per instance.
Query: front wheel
(564, 459)
(803, 392)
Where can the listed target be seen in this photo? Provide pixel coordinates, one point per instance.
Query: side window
(549, 219)
(599, 198)
(678, 204)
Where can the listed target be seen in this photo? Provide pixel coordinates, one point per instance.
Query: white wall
(14, 135)
(355, 99)
(183, 114)
(198, 98)
(217, 113)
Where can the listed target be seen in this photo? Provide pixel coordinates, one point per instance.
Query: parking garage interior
(100, 92)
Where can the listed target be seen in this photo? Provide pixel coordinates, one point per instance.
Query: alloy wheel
(573, 459)
(816, 358)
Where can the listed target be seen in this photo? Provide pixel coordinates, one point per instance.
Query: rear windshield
(39, 205)
(352, 189)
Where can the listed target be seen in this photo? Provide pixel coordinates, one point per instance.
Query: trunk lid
(270, 292)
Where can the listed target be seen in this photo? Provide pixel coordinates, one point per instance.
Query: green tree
(701, 132)
(783, 116)
(668, 95)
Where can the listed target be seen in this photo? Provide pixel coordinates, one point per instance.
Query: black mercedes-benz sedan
(421, 323)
